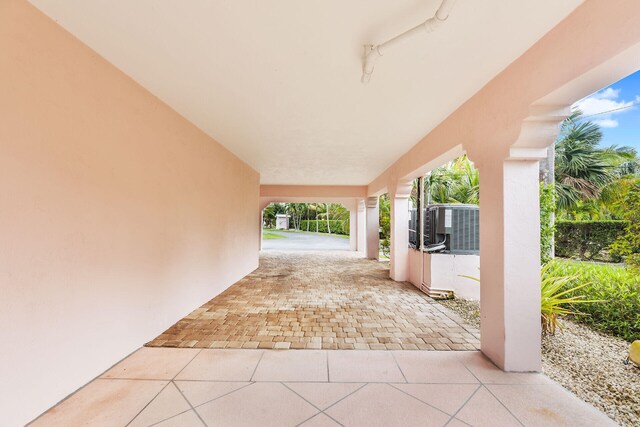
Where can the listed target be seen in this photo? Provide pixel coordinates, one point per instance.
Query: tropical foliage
(269, 213)
(596, 184)
(456, 182)
(559, 295)
(618, 287)
(547, 225)
(334, 216)
(588, 240)
(590, 180)
(385, 224)
(321, 226)
(628, 245)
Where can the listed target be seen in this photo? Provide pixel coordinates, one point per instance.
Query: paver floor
(320, 300)
(205, 387)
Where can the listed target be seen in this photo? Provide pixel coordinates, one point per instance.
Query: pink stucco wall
(445, 271)
(415, 268)
(317, 191)
(117, 216)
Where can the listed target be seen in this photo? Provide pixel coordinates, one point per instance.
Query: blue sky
(621, 127)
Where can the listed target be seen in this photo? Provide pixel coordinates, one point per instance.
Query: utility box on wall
(282, 222)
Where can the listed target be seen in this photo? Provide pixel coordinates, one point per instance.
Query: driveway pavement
(300, 241)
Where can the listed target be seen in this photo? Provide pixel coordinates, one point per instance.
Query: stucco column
(362, 235)
(399, 224)
(353, 229)
(263, 204)
(373, 228)
(510, 262)
(260, 230)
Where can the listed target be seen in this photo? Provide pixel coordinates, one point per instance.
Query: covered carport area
(352, 197)
(137, 139)
(309, 298)
(306, 297)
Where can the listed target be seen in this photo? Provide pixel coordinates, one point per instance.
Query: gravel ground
(584, 361)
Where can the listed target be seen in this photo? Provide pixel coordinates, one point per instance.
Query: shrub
(385, 225)
(588, 239)
(558, 295)
(385, 246)
(557, 298)
(633, 261)
(547, 228)
(618, 287)
(628, 244)
(337, 226)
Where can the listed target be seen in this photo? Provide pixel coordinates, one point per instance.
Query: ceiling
(277, 82)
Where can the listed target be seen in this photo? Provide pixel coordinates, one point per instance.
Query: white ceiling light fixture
(373, 52)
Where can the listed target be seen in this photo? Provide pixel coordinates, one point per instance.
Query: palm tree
(271, 211)
(327, 206)
(467, 189)
(582, 169)
(456, 182)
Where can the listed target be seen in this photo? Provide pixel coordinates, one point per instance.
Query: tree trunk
(547, 166)
(328, 224)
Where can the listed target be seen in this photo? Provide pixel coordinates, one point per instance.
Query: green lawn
(268, 235)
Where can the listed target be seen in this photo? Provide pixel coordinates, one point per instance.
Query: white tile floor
(190, 387)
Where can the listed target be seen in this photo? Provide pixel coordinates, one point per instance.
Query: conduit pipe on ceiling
(372, 52)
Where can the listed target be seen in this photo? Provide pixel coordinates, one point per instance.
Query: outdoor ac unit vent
(458, 226)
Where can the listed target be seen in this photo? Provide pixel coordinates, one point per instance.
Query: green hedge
(589, 240)
(617, 287)
(337, 227)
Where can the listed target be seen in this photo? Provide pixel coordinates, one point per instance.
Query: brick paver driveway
(320, 300)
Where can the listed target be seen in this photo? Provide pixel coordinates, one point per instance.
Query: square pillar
(399, 218)
(353, 229)
(510, 263)
(260, 230)
(373, 228)
(361, 232)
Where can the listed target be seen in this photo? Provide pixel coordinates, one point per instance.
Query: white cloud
(602, 101)
(605, 101)
(609, 93)
(606, 123)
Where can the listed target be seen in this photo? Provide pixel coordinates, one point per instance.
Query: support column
(262, 206)
(510, 261)
(373, 228)
(399, 222)
(261, 225)
(353, 229)
(362, 235)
